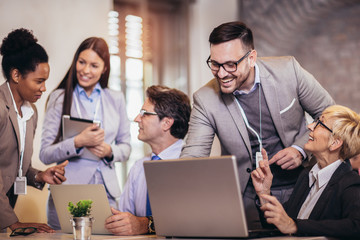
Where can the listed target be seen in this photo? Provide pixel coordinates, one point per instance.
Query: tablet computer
(72, 126)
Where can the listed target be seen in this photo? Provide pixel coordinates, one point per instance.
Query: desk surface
(62, 236)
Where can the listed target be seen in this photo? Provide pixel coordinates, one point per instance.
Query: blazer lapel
(235, 113)
(328, 191)
(105, 121)
(12, 114)
(14, 122)
(272, 100)
(302, 191)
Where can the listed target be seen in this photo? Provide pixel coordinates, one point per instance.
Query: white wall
(205, 15)
(60, 26)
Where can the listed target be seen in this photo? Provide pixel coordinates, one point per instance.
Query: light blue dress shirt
(89, 103)
(133, 198)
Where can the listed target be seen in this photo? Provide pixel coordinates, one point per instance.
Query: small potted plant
(81, 220)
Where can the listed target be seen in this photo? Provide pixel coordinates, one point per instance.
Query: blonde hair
(346, 126)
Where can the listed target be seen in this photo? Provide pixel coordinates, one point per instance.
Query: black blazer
(337, 212)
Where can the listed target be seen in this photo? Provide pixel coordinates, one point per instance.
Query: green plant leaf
(82, 208)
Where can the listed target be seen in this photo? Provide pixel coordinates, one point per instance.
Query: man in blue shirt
(163, 123)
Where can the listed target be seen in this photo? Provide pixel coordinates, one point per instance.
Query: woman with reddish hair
(83, 93)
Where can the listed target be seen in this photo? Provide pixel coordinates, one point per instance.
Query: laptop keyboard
(260, 233)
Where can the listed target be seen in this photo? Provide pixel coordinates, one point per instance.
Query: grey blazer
(289, 90)
(10, 155)
(117, 133)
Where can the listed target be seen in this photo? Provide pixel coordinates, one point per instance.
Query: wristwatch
(151, 226)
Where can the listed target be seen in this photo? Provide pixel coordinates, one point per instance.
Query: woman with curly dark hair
(25, 67)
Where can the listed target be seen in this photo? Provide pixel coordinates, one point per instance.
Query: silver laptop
(100, 208)
(197, 197)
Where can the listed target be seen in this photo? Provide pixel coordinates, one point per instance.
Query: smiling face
(32, 85)
(89, 68)
(319, 140)
(232, 51)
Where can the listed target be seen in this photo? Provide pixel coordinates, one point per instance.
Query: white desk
(63, 236)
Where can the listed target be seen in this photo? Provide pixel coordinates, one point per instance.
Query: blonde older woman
(326, 199)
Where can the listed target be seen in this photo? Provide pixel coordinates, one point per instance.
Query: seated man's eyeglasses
(23, 231)
(318, 121)
(228, 66)
(144, 112)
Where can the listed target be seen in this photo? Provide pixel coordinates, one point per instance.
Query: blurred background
(166, 42)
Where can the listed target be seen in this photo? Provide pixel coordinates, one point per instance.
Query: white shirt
(318, 180)
(27, 112)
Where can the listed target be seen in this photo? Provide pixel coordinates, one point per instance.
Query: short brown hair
(230, 31)
(172, 103)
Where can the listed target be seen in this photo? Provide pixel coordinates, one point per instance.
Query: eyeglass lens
(144, 112)
(318, 121)
(228, 66)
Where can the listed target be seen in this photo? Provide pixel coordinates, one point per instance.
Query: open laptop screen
(100, 209)
(198, 197)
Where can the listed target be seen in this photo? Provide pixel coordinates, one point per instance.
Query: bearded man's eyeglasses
(228, 66)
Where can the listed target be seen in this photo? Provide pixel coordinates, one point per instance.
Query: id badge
(20, 186)
(258, 158)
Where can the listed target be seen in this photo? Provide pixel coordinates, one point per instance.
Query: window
(134, 77)
(149, 45)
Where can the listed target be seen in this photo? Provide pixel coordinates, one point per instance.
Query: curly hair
(21, 51)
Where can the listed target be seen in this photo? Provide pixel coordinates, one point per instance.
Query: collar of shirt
(254, 87)
(322, 175)
(93, 96)
(26, 109)
(172, 152)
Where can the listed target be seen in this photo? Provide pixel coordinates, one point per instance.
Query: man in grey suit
(253, 103)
